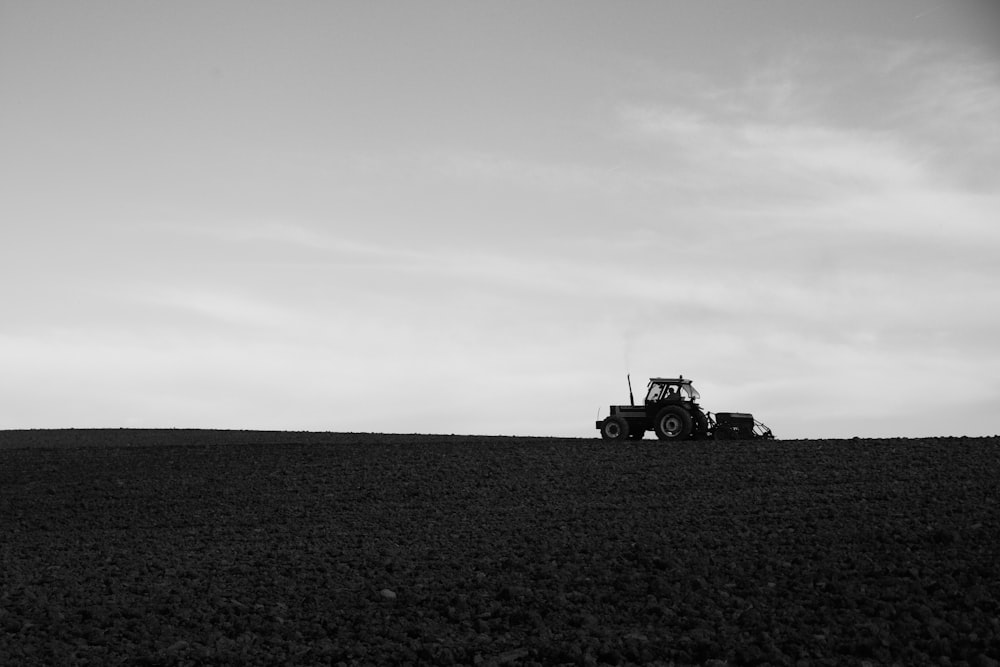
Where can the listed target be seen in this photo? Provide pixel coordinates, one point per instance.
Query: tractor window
(659, 391)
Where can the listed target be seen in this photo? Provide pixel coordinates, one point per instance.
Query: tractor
(671, 410)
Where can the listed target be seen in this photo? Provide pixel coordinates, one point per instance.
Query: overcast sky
(477, 217)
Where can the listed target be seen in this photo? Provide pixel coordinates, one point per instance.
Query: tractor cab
(671, 390)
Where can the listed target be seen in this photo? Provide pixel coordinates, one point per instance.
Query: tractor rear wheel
(614, 429)
(672, 423)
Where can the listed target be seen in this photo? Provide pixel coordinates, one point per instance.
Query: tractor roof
(680, 380)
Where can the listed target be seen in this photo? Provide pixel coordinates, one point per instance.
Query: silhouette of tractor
(671, 411)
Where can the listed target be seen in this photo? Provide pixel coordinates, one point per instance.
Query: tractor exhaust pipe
(630, 399)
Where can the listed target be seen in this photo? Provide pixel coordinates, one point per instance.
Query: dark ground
(227, 547)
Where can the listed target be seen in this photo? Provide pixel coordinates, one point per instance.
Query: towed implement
(671, 410)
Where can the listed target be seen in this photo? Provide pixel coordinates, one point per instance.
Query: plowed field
(227, 547)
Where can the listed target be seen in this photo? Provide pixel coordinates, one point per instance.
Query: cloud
(768, 164)
(231, 308)
(281, 236)
(955, 110)
(862, 108)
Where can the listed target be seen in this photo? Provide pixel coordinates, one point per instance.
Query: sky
(478, 217)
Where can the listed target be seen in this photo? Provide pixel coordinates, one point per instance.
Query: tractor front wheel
(672, 423)
(614, 429)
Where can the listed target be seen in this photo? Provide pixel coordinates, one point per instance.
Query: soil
(232, 547)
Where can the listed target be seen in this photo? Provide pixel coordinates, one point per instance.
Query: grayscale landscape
(245, 245)
(182, 547)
